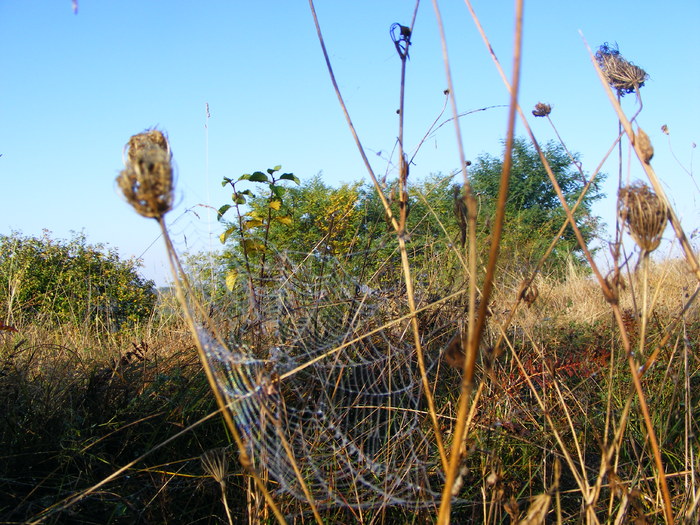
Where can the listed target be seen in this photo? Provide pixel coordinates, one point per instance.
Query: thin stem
(474, 334)
(181, 284)
(404, 257)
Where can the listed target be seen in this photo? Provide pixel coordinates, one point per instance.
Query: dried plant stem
(290, 454)
(577, 232)
(180, 288)
(476, 328)
(651, 174)
(692, 262)
(404, 256)
(466, 384)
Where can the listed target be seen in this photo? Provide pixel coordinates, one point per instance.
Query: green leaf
(245, 176)
(258, 176)
(231, 279)
(275, 204)
(224, 236)
(278, 191)
(226, 181)
(239, 199)
(247, 192)
(222, 210)
(273, 170)
(290, 176)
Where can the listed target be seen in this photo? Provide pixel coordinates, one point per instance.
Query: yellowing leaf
(231, 278)
(252, 223)
(251, 246)
(284, 219)
(275, 205)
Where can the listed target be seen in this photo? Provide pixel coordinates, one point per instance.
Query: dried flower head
(644, 213)
(542, 109)
(147, 179)
(664, 129)
(528, 293)
(622, 75)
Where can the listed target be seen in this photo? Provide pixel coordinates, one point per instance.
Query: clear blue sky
(74, 88)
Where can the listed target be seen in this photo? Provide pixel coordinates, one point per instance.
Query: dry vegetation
(569, 400)
(81, 406)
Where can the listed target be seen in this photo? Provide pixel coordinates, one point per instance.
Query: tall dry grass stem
(143, 183)
(476, 327)
(399, 229)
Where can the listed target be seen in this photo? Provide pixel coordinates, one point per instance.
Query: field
(450, 350)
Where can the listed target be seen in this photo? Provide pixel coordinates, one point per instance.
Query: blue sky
(74, 88)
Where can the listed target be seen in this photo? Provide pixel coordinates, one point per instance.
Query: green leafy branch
(253, 223)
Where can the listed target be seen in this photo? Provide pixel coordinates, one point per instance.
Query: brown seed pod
(622, 75)
(645, 146)
(147, 180)
(644, 213)
(542, 109)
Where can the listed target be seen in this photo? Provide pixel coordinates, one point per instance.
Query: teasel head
(644, 213)
(147, 178)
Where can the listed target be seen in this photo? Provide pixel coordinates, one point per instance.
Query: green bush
(48, 280)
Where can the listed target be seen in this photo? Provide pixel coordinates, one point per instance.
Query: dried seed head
(622, 75)
(664, 129)
(528, 293)
(645, 146)
(215, 464)
(644, 213)
(147, 179)
(542, 109)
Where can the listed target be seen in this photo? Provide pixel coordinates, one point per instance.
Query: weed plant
(562, 397)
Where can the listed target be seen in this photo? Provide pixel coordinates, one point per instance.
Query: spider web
(322, 380)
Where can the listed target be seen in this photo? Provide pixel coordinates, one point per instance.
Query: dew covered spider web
(323, 384)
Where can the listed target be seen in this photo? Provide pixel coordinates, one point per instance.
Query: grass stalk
(182, 288)
(476, 329)
(397, 227)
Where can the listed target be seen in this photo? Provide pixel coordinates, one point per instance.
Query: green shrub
(48, 280)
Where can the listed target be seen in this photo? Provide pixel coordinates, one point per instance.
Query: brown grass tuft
(147, 180)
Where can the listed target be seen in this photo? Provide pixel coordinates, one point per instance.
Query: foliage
(322, 219)
(71, 281)
(251, 229)
(534, 213)
(317, 218)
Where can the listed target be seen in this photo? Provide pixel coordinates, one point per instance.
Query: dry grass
(570, 400)
(83, 408)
